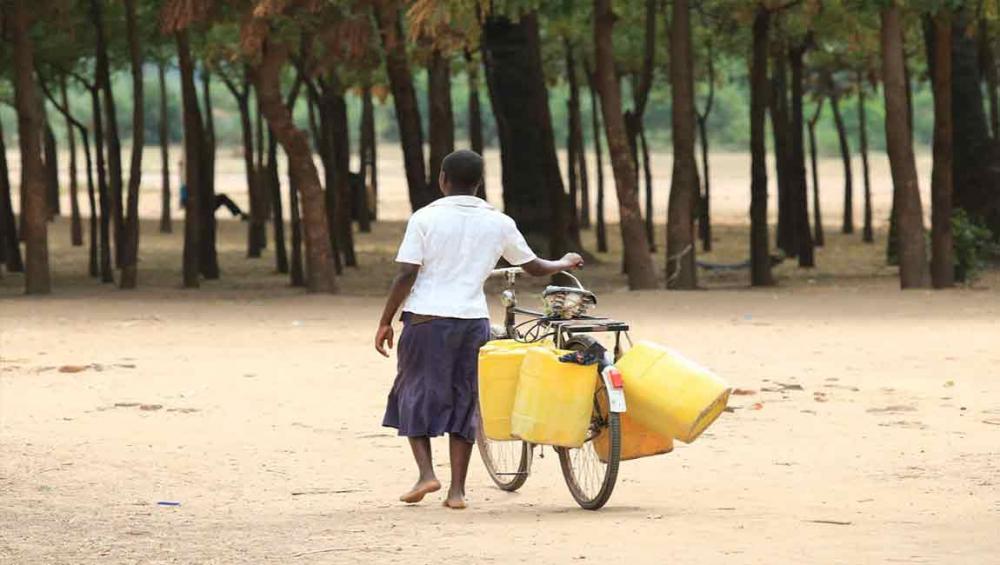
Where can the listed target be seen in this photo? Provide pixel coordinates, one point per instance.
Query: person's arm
(539, 267)
(398, 292)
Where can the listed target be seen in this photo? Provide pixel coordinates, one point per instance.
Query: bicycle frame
(563, 330)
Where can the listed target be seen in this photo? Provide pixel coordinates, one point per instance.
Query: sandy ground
(257, 408)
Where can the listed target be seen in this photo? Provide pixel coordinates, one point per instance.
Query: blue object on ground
(168, 503)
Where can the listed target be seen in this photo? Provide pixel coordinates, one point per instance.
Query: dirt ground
(257, 408)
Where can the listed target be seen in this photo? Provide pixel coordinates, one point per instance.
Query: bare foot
(420, 490)
(455, 502)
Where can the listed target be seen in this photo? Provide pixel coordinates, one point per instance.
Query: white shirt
(457, 241)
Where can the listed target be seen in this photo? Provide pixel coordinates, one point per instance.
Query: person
(221, 199)
(449, 248)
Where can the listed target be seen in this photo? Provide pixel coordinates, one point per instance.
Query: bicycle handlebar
(506, 271)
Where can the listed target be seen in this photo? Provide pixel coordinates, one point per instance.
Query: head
(461, 173)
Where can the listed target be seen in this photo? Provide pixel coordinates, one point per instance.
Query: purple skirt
(437, 383)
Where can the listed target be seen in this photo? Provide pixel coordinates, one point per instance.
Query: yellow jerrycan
(554, 400)
(637, 441)
(499, 370)
(669, 394)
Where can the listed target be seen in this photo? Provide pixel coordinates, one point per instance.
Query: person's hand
(572, 261)
(383, 337)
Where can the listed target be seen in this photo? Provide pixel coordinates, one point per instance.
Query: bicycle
(590, 479)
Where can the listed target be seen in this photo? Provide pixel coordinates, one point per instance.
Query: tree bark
(533, 192)
(441, 118)
(10, 249)
(103, 80)
(868, 232)
(332, 100)
(29, 130)
(781, 128)
(906, 194)
(76, 224)
(988, 66)
(760, 260)
(166, 223)
(319, 255)
(407, 111)
(257, 224)
(475, 113)
(130, 253)
(942, 246)
(845, 155)
(209, 259)
(595, 110)
(576, 165)
(194, 153)
(817, 214)
(681, 269)
(799, 188)
(638, 264)
(296, 274)
(277, 211)
(104, 204)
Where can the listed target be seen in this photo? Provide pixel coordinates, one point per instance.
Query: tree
(798, 198)
(193, 155)
(601, 231)
(29, 129)
(681, 271)
(102, 78)
(130, 237)
(704, 207)
(760, 260)
(868, 235)
(166, 223)
(638, 264)
(76, 224)
(845, 155)
(942, 244)
(906, 195)
(817, 215)
(10, 250)
(441, 119)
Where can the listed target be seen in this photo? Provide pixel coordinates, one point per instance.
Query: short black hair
(464, 169)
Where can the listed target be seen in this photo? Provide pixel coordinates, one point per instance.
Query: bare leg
(426, 482)
(460, 451)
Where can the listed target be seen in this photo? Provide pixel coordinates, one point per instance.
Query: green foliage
(973, 243)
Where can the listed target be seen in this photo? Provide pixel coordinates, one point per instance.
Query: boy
(447, 253)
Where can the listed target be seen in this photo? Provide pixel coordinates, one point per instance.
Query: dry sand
(258, 409)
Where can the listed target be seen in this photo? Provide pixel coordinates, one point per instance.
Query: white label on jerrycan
(614, 385)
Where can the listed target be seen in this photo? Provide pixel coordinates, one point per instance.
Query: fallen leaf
(949, 384)
(831, 522)
(73, 368)
(743, 392)
(992, 422)
(150, 407)
(757, 406)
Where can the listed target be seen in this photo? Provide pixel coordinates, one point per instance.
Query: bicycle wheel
(591, 480)
(507, 462)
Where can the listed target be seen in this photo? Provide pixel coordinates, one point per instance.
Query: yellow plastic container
(670, 395)
(637, 441)
(499, 370)
(554, 400)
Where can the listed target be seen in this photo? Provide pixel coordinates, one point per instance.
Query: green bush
(973, 243)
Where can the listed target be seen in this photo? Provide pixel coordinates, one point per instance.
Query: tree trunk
(51, 165)
(574, 141)
(533, 192)
(319, 255)
(799, 199)
(639, 265)
(817, 214)
(942, 247)
(194, 152)
(277, 212)
(760, 260)
(257, 224)
(332, 98)
(442, 121)
(369, 143)
(781, 127)
(166, 223)
(104, 204)
(704, 207)
(76, 224)
(899, 144)
(405, 98)
(595, 110)
(475, 113)
(10, 249)
(845, 155)
(130, 253)
(868, 232)
(209, 259)
(29, 130)
(103, 79)
(681, 270)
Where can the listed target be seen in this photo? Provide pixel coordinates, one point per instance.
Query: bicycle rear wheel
(591, 478)
(507, 462)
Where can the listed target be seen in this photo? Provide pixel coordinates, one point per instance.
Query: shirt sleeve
(411, 250)
(515, 249)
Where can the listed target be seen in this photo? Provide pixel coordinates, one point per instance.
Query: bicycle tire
(596, 500)
(505, 479)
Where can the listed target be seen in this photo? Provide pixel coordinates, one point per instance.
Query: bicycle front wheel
(591, 470)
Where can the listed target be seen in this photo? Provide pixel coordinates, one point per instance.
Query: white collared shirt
(457, 241)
